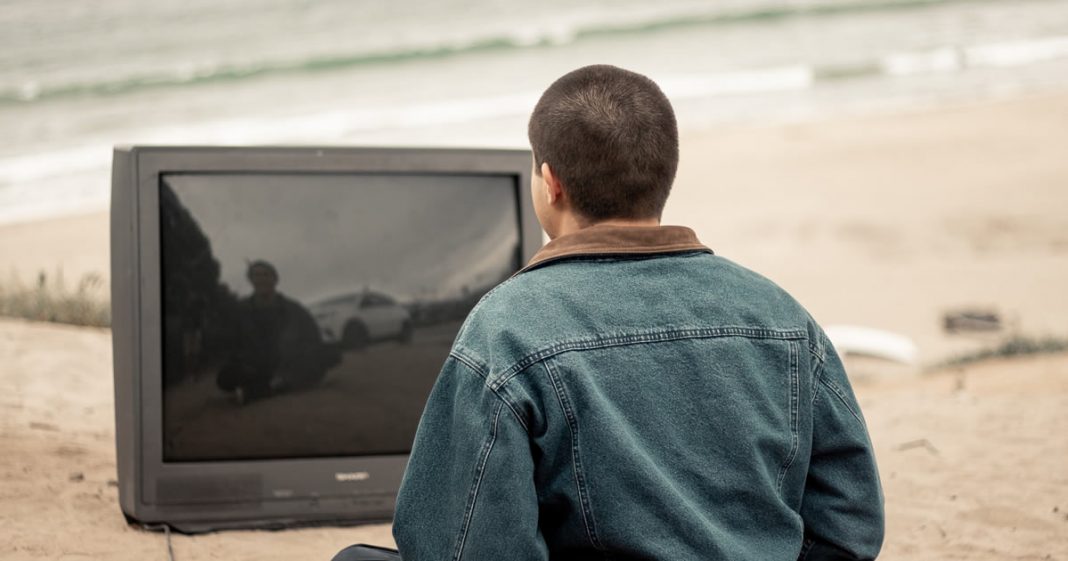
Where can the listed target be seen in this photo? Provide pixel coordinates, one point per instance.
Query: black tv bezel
(252, 493)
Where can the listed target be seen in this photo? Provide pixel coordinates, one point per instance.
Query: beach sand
(74, 246)
(884, 221)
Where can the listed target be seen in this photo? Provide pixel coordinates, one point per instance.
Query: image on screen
(308, 315)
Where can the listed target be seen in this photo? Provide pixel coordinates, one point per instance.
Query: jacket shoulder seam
(460, 354)
(620, 339)
(840, 394)
(816, 349)
(817, 379)
(481, 370)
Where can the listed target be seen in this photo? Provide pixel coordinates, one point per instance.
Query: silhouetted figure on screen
(277, 346)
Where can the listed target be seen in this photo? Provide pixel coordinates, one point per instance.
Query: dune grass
(1013, 346)
(49, 298)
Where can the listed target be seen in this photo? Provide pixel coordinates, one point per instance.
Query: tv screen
(367, 278)
(281, 314)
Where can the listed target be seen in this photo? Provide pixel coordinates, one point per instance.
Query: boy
(629, 395)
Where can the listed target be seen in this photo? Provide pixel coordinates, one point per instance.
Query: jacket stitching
(469, 361)
(473, 365)
(794, 397)
(645, 336)
(480, 471)
(842, 396)
(508, 403)
(817, 374)
(816, 351)
(817, 379)
(576, 461)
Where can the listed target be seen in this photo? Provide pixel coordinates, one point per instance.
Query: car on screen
(356, 319)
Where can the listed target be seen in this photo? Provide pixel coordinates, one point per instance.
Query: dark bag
(361, 552)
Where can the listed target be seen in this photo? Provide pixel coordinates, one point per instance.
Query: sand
(884, 221)
(974, 462)
(73, 246)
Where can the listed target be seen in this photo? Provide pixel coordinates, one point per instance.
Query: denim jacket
(629, 395)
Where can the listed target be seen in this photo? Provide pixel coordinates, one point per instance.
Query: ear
(554, 190)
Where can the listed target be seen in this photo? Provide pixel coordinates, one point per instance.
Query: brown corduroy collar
(606, 239)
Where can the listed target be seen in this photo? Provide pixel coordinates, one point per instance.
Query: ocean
(79, 77)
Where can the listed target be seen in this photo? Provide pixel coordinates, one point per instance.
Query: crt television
(280, 315)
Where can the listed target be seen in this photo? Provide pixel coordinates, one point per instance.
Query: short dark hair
(611, 138)
(261, 264)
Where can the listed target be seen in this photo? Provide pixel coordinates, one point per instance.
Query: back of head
(610, 136)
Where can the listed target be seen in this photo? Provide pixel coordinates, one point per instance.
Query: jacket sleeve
(842, 505)
(468, 491)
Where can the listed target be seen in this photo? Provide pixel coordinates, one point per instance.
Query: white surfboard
(867, 341)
